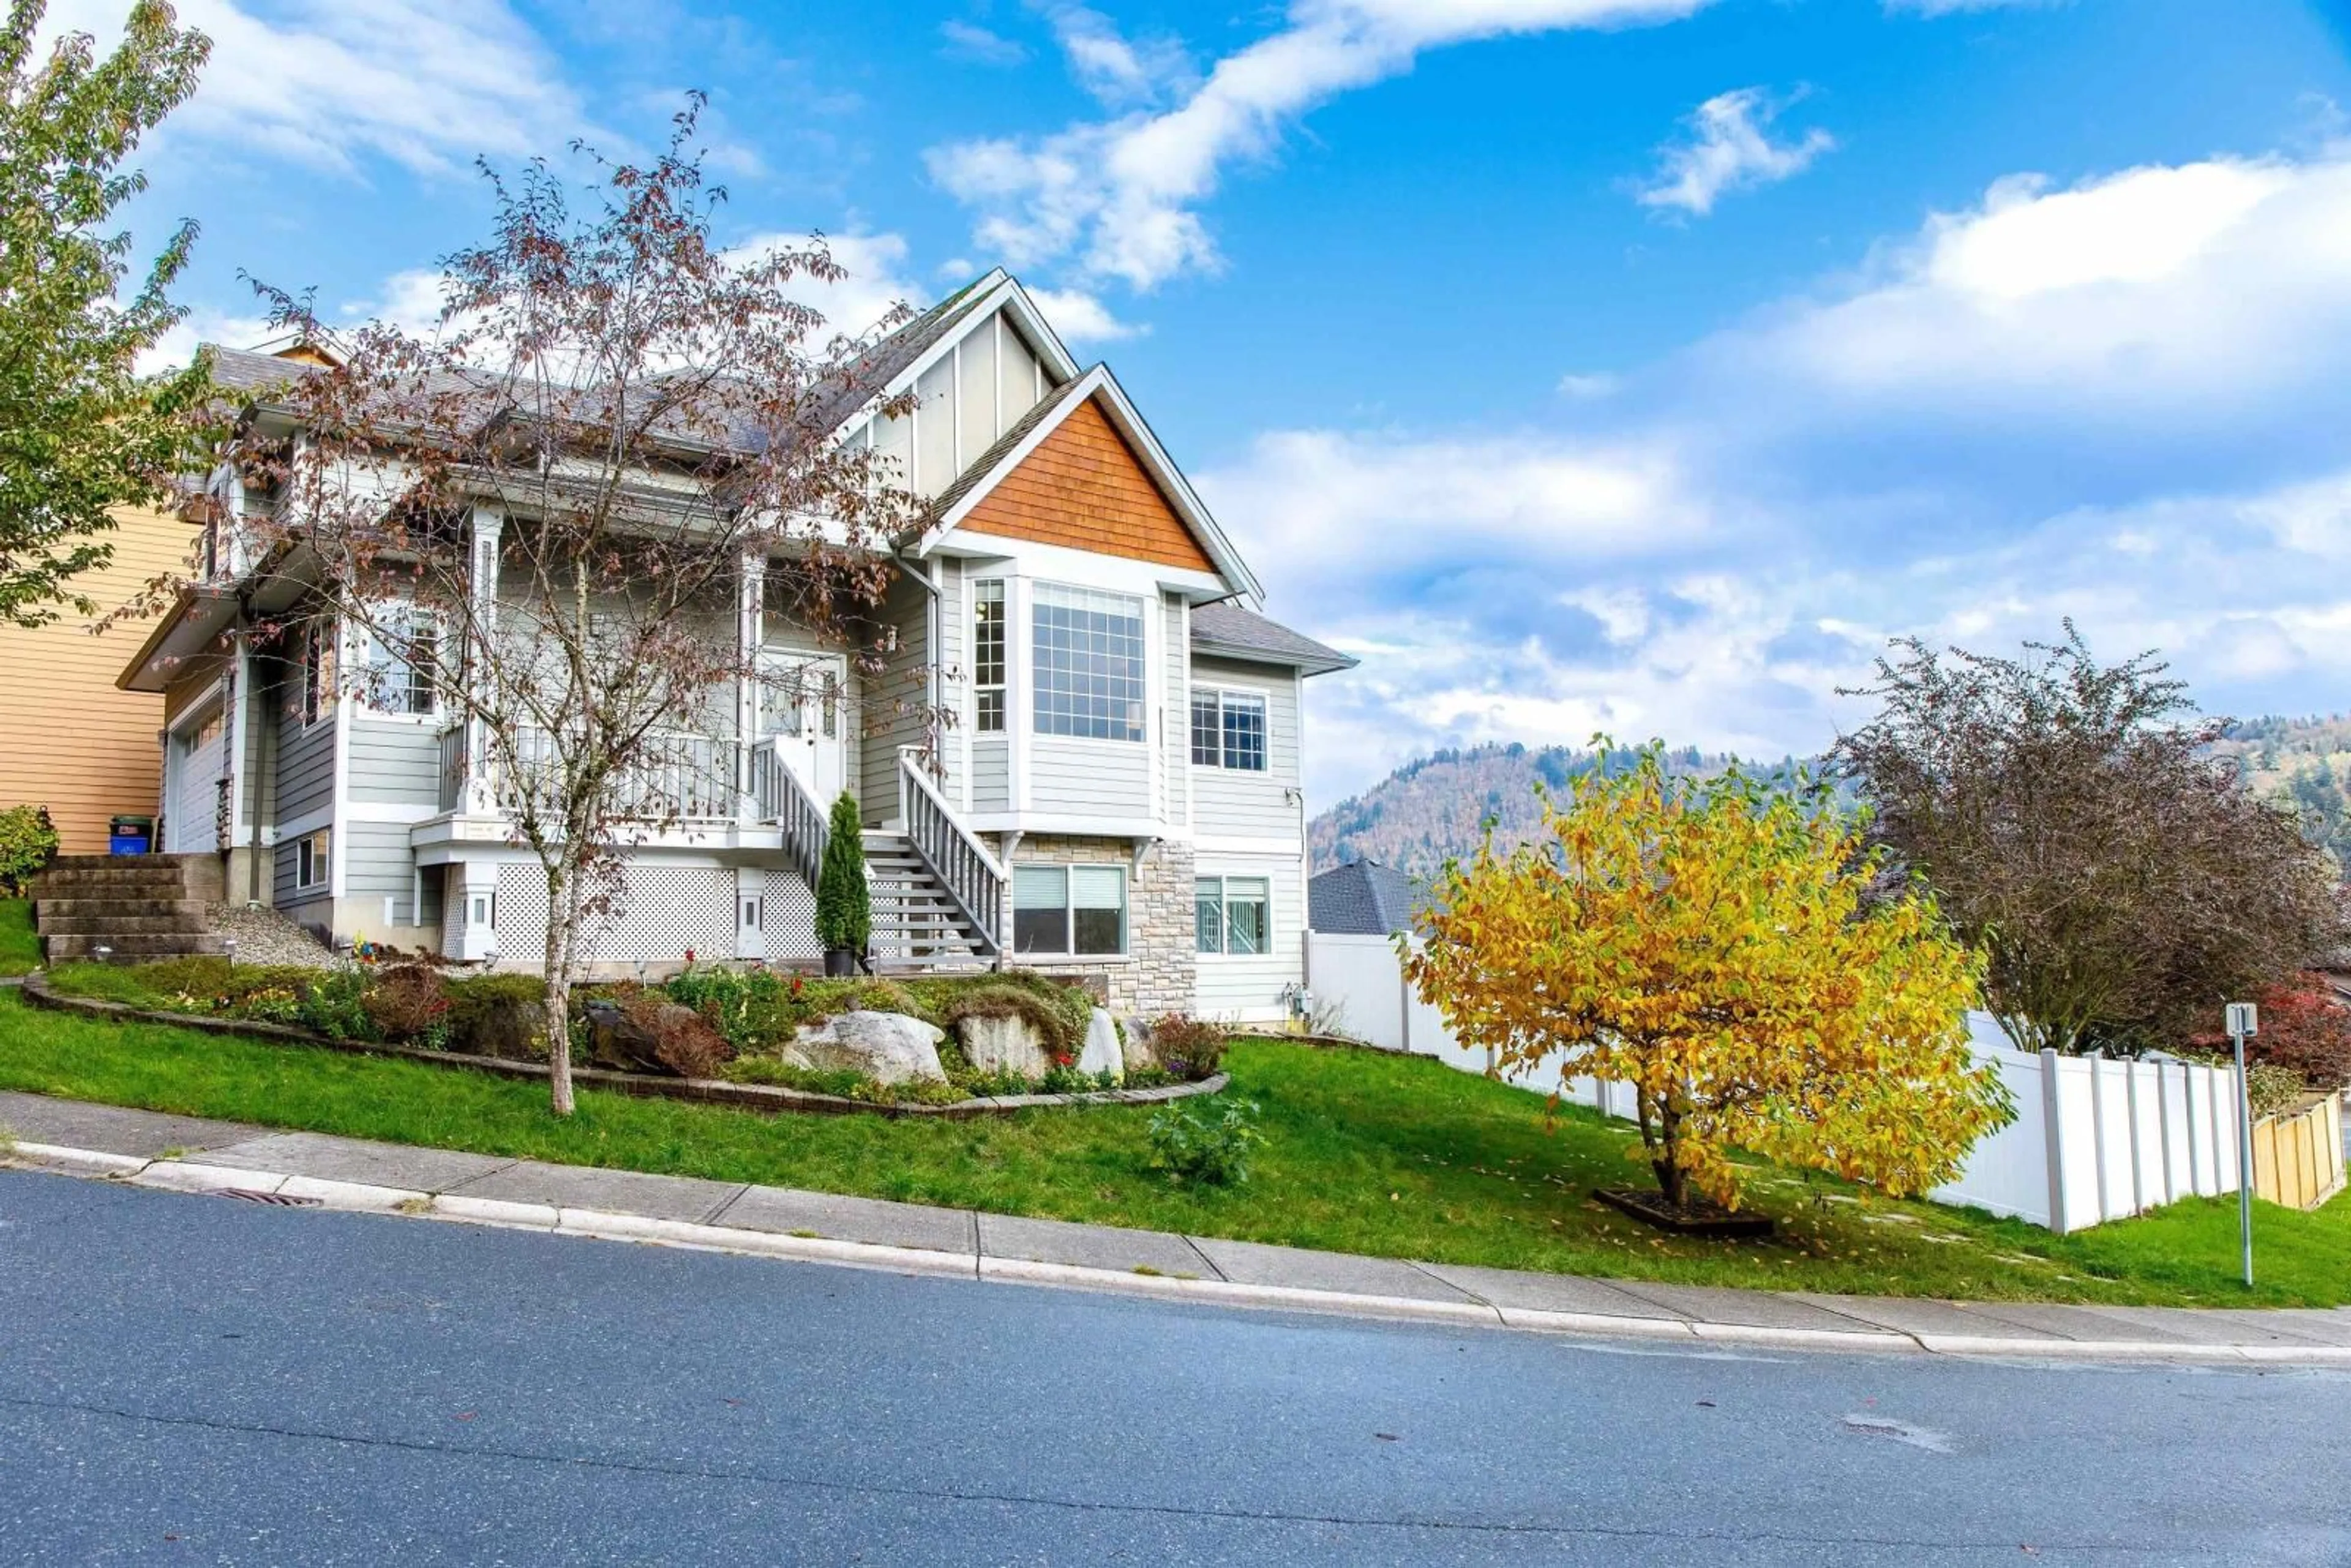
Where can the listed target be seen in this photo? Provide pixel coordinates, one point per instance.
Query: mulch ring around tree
(1696, 1218)
(766, 1099)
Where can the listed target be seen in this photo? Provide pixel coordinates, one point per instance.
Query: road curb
(198, 1178)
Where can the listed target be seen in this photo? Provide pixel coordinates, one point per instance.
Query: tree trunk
(1666, 1156)
(560, 922)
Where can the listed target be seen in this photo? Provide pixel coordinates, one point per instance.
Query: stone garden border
(766, 1098)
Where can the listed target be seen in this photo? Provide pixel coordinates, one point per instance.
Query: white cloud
(330, 82)
(1081, 317)
(1729, 148)
(2189, 292)
(1587, 386)
(877, 281)
(970, 41)
(2118, 400)
(1119, 197)
(1955, 8)
(1116, 69)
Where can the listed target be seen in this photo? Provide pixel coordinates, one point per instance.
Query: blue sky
(1636, 365)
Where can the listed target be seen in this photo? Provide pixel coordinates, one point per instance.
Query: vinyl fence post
(2054, 1140)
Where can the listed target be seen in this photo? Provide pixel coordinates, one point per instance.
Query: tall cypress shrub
(844, 910)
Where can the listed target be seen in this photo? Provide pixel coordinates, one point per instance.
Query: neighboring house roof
(1226, 631)
(1363, 898)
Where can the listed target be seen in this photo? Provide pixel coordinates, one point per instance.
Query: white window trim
(313, 880)
(1004, 684)
(1225, 917)
(320, 640)
(1069, 913)
(1248, 695)
(1034, 664)
(434, 717)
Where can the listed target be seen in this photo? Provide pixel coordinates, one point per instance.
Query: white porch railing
(973, 878)
(682, 777)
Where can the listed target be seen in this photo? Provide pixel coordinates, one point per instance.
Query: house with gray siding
(1082, 750)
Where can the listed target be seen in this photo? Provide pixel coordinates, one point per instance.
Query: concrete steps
(134, 906)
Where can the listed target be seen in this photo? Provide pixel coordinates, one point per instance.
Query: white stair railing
(780, 798)
(974, 879)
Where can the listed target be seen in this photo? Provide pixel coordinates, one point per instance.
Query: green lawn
(1365, 1152)
(20, 950)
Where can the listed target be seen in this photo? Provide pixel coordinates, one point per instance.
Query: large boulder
(888, 1048)
(1004, 1045)
(1102, 1052)
(646, 1035)
(1138, 1055)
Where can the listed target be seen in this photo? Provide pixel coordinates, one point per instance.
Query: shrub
(407, 1004)
(844, 909)
(1189, 1048)
(498, 1015)
(838, 1081)
(27, 841)
(684, 1040)
(335, 1004)
(2305, 1030)
(1206, 1150)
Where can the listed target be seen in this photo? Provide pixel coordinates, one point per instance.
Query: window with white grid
(1089, 663)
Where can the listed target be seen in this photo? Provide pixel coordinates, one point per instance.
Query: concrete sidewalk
(308, 1169)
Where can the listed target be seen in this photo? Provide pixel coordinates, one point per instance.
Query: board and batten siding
(1231, 803)
(1249, 987)
(76, 743)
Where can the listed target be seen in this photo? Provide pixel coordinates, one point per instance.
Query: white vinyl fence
(2093, 1139)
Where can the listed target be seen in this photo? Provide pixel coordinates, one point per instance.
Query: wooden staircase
(916, 921)
(135, 907)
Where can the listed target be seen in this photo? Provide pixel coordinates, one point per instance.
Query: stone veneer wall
(1159, 973)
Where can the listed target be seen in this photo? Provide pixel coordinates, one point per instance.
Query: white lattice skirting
(660, 913)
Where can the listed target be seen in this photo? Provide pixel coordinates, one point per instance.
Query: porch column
(481, 797)
(750, 633)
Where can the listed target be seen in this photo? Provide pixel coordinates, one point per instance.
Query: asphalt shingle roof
(1228, 629)
(1363, 898)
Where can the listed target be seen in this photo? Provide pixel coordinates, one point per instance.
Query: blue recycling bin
(130, 835)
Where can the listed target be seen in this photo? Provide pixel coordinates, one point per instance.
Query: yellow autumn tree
(1721, 946)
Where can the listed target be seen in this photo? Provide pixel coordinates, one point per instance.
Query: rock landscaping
(933, 1042)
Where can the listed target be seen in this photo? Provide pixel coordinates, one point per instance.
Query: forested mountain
(1437, 807)
(2305, 761)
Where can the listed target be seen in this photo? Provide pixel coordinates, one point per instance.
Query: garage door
(195, 785)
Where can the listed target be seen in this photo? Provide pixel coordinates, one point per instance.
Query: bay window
(1088, 659)
(1079, 910)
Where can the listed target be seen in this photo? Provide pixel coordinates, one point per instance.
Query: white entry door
(191, 826)
(805, 709)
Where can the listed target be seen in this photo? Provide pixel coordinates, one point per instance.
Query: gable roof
(1223, 630)
(954, 504)
(1363, 898)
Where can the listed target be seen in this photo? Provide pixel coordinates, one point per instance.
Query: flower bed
(741, 1036)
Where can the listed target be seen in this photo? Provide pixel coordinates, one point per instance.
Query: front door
(804, 708)
(191, 807)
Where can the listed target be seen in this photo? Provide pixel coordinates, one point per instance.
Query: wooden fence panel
(2298, 1159)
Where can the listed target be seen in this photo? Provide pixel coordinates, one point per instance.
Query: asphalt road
(195, 1380)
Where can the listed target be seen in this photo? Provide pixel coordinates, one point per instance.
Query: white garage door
(195, 799)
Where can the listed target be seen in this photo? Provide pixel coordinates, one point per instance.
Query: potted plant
(844, 908)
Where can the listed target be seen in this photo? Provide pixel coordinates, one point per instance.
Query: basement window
(1075, 909)
(312, 858)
